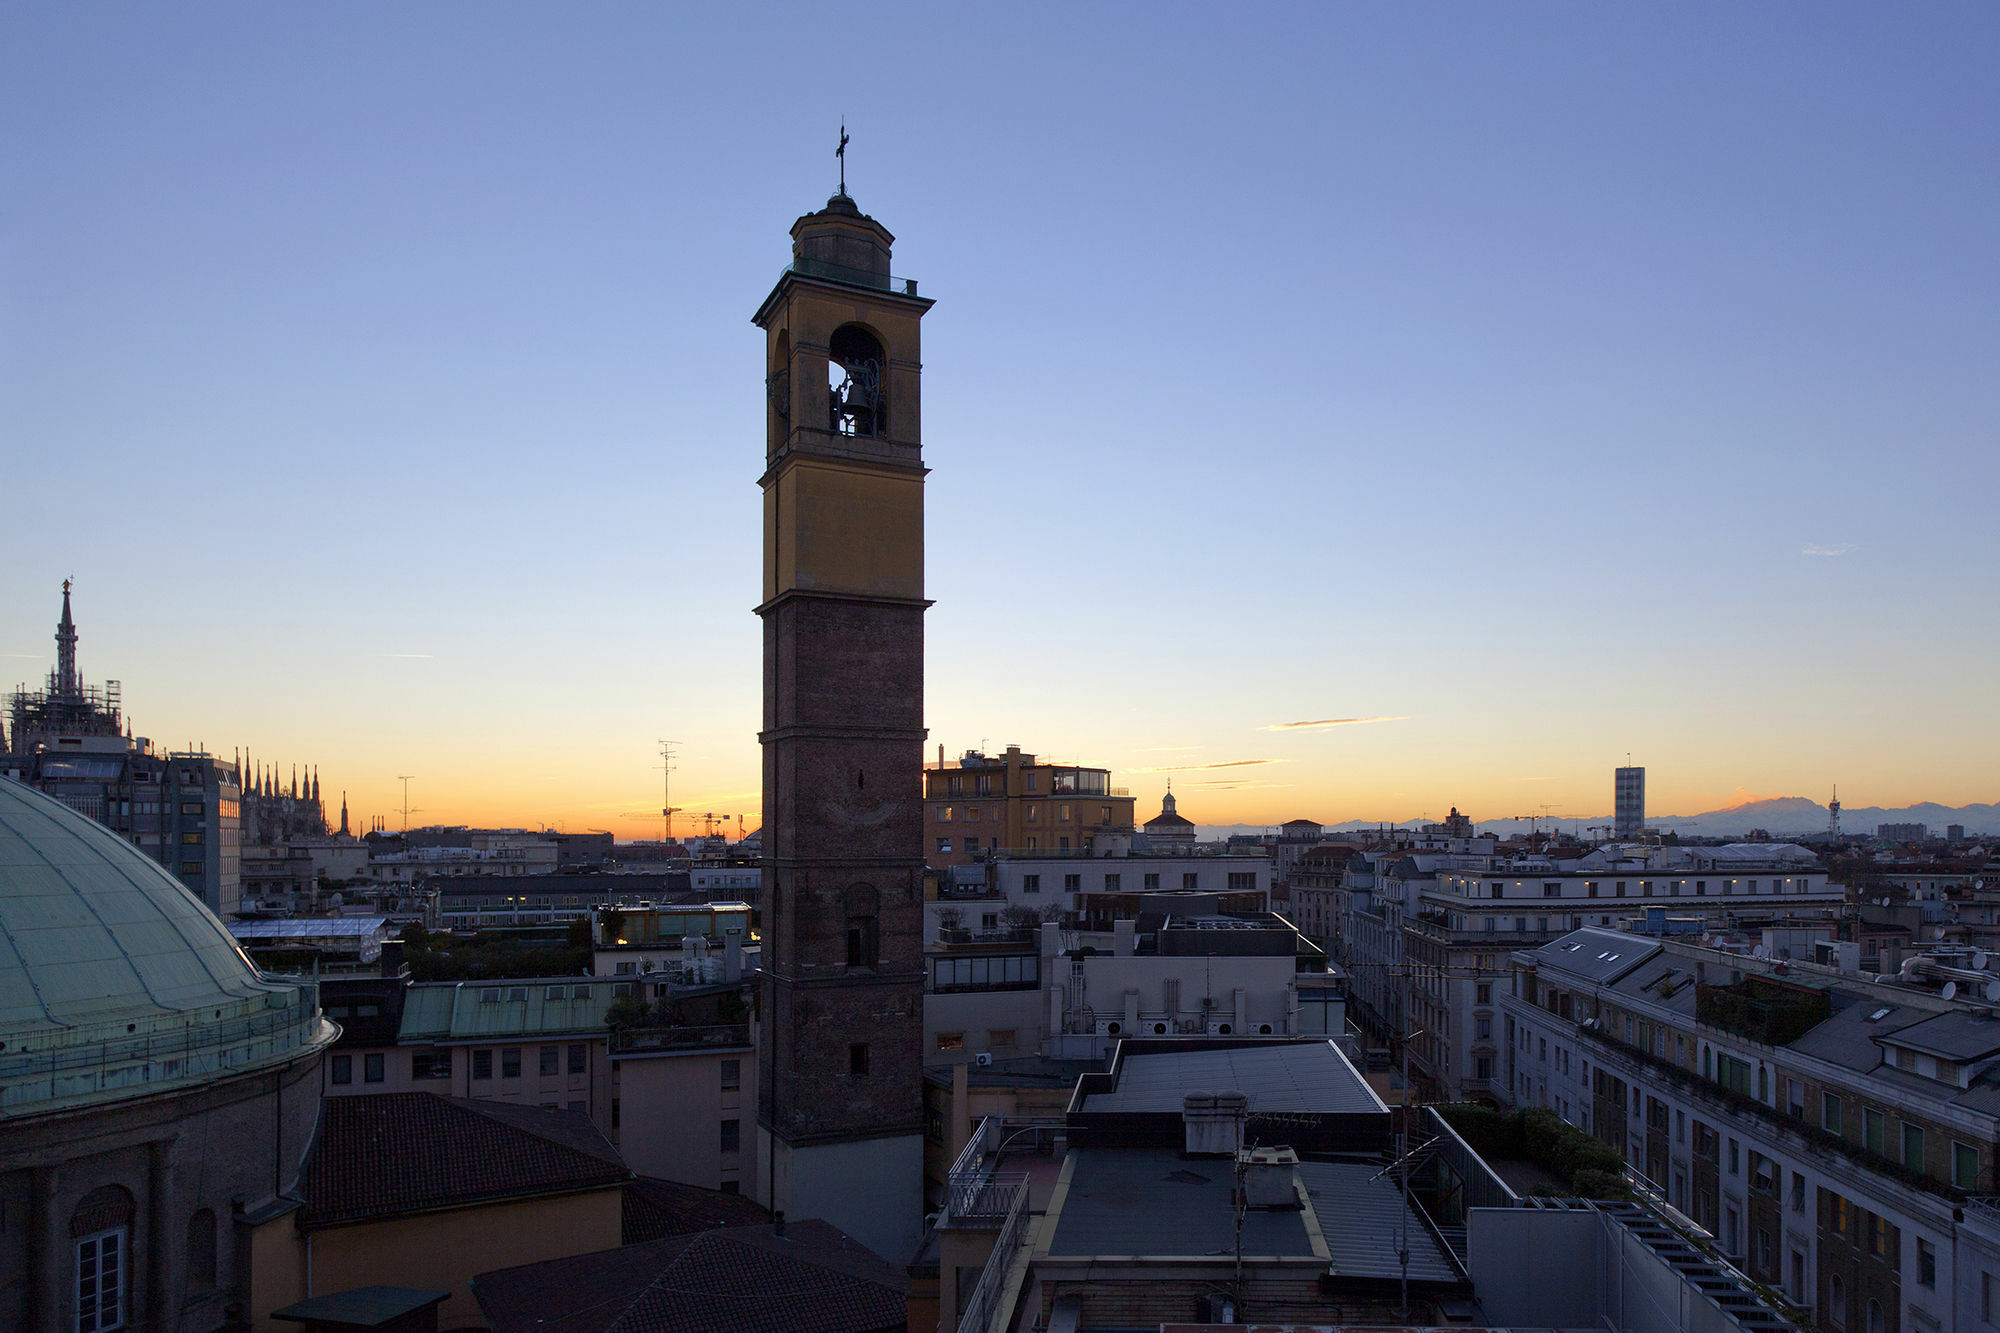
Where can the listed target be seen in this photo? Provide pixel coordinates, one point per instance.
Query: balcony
(826, 271)
(679, 1039)
(1003, 1157)
(1803, 1135)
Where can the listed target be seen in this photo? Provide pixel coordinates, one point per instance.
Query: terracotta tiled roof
(658, 1208)
(406, 1152)
(813, 1279)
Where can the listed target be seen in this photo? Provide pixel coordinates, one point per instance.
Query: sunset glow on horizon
(1345, 414)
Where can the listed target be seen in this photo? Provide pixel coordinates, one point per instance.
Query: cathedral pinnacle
(68, 683)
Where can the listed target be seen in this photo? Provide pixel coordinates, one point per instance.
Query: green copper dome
(114, 979)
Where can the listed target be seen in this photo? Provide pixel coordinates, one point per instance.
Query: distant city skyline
(1346, 412)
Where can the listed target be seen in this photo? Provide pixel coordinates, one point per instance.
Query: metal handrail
(977, 1313)
(853, 277)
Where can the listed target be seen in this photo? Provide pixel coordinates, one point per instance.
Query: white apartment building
(1073, 995)
(977, 897)
(1466, 922)
(1833, 1133)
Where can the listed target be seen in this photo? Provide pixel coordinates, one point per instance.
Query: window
(517, 995)
(510, 1062)
(430, 1064)
(1798, 1193)
(1964, 1166)
(857, 1059)
(201, 1250)
(972, 843)
(732, 1136)
(1072, 883)
(1242, 881)
(1062, 813)
(343, 1069)
(1836, 1301)
(862, 942)
(371, 1067)
(1191, 879)
(732, 1075)
(1483, 992)
(100, 1281)
(944, 844)
(579, 1058)
(1152, 882)
(1871, 1129)
(946, 814)
(1829, 1112)
(1001, 1037)
(1552, 890)
(551, 1061)
(1913, 1147)
(1926, 1264)
(482, 1064)
(1111, 883)
(1034, 814)
(1484, 1065)
(1483, 1028)
(489, 995)
(1031, 883)
(951, 1041)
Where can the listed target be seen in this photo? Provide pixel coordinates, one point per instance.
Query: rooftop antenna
(666, 787)
(405, 779)
(841, 153)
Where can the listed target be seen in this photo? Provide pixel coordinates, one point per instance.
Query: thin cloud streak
(422, 656)
(1185, 768)
(1826, 550)
(1324, 723)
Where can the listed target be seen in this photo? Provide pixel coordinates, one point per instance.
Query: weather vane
(841, 153)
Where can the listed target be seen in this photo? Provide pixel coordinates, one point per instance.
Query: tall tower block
(840, 1109)
(1628, 792)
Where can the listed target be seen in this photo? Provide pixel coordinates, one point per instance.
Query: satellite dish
(1950, 991)
(1979, 959)
(1760, 952)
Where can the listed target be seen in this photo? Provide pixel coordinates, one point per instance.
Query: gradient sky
(1538, 382)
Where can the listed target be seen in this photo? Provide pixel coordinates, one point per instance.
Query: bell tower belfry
(840, 1108)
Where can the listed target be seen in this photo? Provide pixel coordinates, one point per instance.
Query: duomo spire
(68, 684)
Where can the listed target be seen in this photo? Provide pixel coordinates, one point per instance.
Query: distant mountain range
(1780, 816)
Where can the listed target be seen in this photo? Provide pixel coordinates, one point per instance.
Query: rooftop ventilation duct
(1214, 1123)
(1270, 1178)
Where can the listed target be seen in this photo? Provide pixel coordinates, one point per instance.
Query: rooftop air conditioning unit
(1110, 1027)
(1216, 1029)
(1267, 1029)
(1158, 1028)
(983, 1059)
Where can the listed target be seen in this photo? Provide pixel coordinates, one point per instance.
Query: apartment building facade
(984, 804)
(1830, 1131)
(1470, 917)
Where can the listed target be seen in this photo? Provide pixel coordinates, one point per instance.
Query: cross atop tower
(840, 152)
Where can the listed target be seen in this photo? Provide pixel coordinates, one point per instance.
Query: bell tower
(840, 1103)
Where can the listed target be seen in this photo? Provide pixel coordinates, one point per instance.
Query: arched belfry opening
(857, 403)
